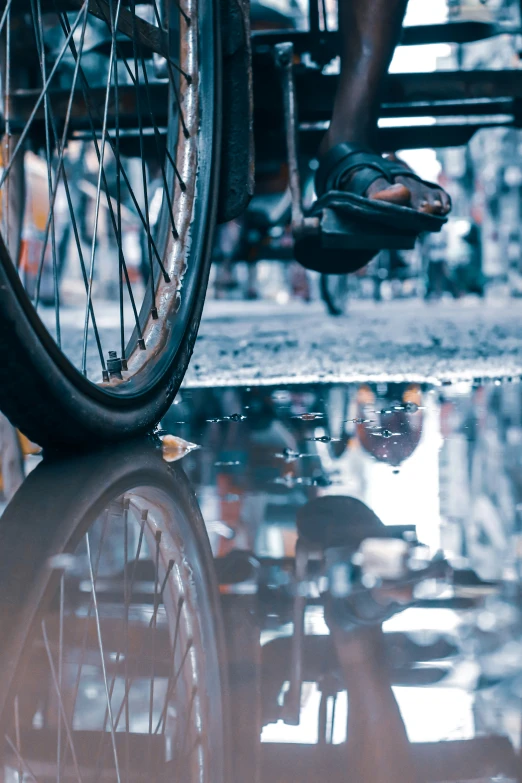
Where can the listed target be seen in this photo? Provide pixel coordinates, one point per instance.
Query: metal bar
(448, 32)
(402, 138)
(284, 58)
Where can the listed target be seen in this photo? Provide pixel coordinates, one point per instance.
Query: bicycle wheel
(108, 194)
(112, 647)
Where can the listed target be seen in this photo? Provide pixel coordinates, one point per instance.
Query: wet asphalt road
(259, 343)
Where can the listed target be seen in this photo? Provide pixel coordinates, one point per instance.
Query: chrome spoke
(93, 110)
(128, 681)
(102, 658)
(163, 715)
(88, 616)
(68, 728)
(18, 733)
(42, 95)
(153, 642)
(119, 239)
(60, 682)
(60, 173)
(21, 761)
(85, 90)
(98, 191)
(126, 647)
(6, 18)
(154, 310)
(157, 134)
(38, 28)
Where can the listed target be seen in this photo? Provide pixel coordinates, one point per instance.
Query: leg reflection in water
(377, 749)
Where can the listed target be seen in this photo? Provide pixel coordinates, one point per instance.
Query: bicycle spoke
(153, 642)
(88, 616)
(60, 172)
(7, 144)
(128, 681)
(195, 744)
(126, 647)
(18, 733)
(154, 310)
(68, 728)
(91, 107)
(135, 82)
(38, 28)
(60, 682)
(147, 33)
(157, 140)
(157, 135)
(172, 79)
(102, 657)
(21, 761)
(172, 683)
(98, 190)
(119, 239)
(85, 88)
(185, 16)
(42, 95)
(152, 621)
(5, 15)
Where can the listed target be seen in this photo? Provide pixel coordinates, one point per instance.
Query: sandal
(347, 171)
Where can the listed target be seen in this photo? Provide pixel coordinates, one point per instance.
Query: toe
(446, 202)
(432, 201)
(395, 194)
(428, 208)
(437, 206)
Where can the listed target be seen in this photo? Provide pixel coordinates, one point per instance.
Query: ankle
(334, 136)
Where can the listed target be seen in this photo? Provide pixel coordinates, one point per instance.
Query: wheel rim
(114, 685)
(152, 190)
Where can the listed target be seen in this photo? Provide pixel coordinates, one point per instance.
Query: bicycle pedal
(340, 245)
(339, 231)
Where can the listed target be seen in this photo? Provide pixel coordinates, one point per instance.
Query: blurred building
(485, 179)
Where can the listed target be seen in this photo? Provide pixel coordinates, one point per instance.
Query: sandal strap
(396, 170)
(349, 167)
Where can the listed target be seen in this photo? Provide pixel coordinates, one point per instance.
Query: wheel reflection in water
(114, 656)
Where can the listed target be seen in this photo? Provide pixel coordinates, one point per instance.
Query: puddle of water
(362, 591)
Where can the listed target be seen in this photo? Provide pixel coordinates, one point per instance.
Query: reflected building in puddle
(329, 585)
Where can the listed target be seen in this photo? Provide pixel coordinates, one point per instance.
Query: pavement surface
(262, 343)
(256, 343)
